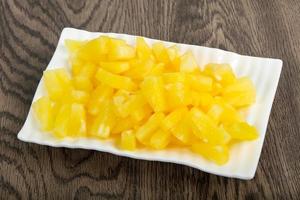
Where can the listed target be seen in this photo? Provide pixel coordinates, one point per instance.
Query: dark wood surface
(29, 31)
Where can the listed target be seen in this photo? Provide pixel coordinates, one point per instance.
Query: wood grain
(29, 31)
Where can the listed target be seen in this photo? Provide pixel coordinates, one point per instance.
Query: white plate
(264, 72)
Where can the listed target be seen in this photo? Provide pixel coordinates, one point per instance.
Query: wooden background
(29, 31)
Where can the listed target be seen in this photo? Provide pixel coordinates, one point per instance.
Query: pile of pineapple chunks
(146, 97)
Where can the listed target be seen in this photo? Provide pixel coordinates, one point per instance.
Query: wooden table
(29, 31)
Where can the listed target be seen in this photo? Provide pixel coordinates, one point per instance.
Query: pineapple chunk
(120, 102)
(217, 89)
(174, 77)
(173, 52)
(76, 64)
(98, 96)
(145, 131)
(241, 93)
(157, 70)
(116, 67)
(104, 121)
(57, 83)
(61, 126)
(73, 45)
(224, 113)
(115, 81)
(123, 124)
(160, 52)
(78, 96)
(121, 52)
(172, 119)
(203, 100)
(133, 105)
(216, 153)
(82, 83)
(142, 48)
(113, 42)
(77, 121)
(138, 107)
(200, 83)
(153, 89)
(183, 131)
(140, 68)
(160, 139)
(177, 95)
(242, 131)
(128, 140)
(44, 111)
(206, 129)
(87, 70)
(74, 96)
(188, 62)
(220, 72)
(94, 50)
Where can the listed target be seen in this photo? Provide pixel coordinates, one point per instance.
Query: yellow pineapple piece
(188, 62)
(44, 111)
(61, 126)
(140, 68)
(160, 139)
(157, 70)
(116, 67)
(224, 113)
(142, 112)
(82, 83)
(173, 52)
(121, 52)
(215, 112)
(203, 100)
(87, 70)
(153, 89)
(145, 131)
(57, 82)
(173, 118)
(77, 121)
(174, 77)
(174, 65)
(183, 131)
(160, 52)
(142, 48)
(115, 81)
(97, 97)
(104, 121)
(177, 94)
(240, 93)
(76, 64)
(217, 89)
(220, 72)
(206, 129)
(216, 153)
(73, 45)
(199, 83)
(138, 107)
(128, 140)
(78, 96)
(115, 42)
(120, 102)
(94, 50)
(131, 105)
(242, 131)
(123, 124)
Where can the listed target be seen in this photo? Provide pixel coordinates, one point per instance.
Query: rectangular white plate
(264, 72)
